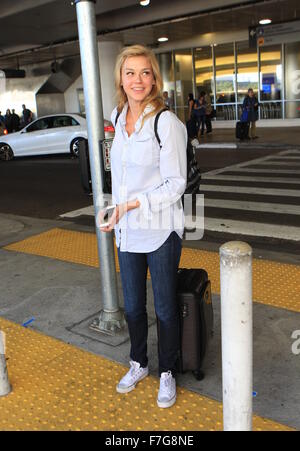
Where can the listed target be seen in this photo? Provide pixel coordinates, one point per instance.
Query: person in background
(27, 115)
(15, 121)
(1, 119)
(148, 181)
(191, 123)
(199, 110)
(251, 105)
(167, 100)
(208, 111)
(7, 121)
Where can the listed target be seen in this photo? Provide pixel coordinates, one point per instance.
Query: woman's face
(137, 78)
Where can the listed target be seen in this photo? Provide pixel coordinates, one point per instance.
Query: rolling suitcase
(196, 319)
(242, 130)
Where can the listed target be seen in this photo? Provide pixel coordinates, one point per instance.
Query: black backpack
(193, 172)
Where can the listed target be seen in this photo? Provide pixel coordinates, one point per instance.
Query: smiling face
(137, 79)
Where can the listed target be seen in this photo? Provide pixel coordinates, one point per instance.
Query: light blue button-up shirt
(155, 176)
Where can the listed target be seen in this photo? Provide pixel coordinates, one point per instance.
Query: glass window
(225, 73)
(270, 73)
(292, 79)
(40, 124)
(64, 121)
(165, 61)
(247, 70)
(204, 71)
(184, 81)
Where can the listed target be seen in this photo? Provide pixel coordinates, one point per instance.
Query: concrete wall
(21, 90)
(50, 104)
(108, 52)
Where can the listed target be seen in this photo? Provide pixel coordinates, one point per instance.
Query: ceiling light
(144, 2)
(163, 39)
(265, 21)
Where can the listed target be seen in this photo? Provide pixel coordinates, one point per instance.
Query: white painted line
(251, 179)
(82, 211)
(251, 190)
(277, 163)
(239, 165)
(285, 157)
(253, 206)
(217, 146)
(275, 171)
(252, 228)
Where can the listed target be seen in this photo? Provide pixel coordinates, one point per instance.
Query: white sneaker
(134, 375)
(167, 390)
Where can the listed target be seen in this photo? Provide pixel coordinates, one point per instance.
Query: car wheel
(74, 147)
(6, 153)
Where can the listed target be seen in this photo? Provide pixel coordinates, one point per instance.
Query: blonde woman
(148, 181)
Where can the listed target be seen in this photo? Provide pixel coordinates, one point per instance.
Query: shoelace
(135, 368)
(167, 381)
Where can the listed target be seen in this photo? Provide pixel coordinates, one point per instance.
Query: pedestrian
(167, 100)
(15, 121)
(250, 105)
(199, 110)
(191, 123)
(208, 111)
(27, 115)
(1, 119)
(148, 181)
(7, 121)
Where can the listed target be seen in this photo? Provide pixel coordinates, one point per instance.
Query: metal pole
(236, 326)
(5, 387)
(111, 317)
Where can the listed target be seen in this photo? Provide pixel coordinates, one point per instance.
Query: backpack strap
(156, 125)
(117, 117)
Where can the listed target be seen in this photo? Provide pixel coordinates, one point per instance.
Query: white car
(53, 134)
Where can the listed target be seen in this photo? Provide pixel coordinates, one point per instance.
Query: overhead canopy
(33, 31)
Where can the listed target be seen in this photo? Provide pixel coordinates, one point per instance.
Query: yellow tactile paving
(59, 387)
(275, 284)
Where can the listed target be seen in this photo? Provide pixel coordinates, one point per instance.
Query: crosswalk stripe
(246, 178)
(250, 190)
(252, 228)
(278, 163)
(253, 206)
(275, 171)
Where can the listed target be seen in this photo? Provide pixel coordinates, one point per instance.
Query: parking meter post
(236, 327)
(86, 20)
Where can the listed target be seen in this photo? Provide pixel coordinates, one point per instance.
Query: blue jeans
(163, 264)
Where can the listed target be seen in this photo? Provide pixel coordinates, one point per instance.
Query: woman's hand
(118, 213)
(113, 219)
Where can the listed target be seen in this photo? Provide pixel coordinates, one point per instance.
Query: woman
(191, 123)
(200, 111)
(251, 104)
(147, 185)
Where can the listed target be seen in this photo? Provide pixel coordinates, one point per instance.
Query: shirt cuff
(144, 206)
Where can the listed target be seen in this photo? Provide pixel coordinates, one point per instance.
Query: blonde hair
(155, 97)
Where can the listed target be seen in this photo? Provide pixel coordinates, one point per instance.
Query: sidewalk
(64, 374)
(267, 137)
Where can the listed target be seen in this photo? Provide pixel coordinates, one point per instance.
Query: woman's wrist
(132, 204)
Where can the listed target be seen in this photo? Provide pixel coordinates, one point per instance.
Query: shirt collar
(138, 124)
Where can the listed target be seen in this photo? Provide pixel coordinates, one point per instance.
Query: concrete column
(108, 52)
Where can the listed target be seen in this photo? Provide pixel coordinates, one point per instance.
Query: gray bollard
(5, 386)
(236, 325)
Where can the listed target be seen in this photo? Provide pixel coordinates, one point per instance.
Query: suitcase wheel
(199, 375)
